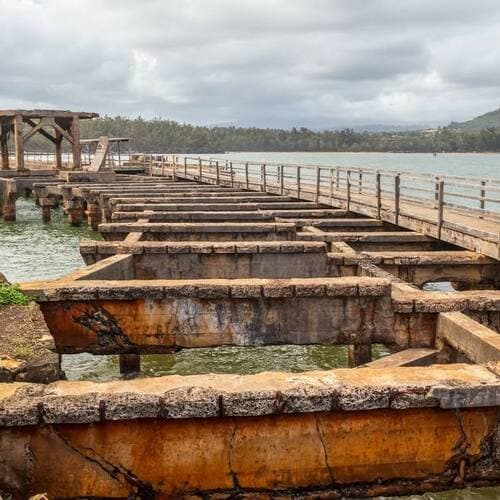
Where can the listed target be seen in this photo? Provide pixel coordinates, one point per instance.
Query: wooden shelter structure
(65, 125)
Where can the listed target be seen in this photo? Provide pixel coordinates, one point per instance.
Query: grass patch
(24, 351)
(11, 294)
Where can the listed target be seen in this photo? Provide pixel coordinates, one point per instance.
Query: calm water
(30, 250)
(479, 165)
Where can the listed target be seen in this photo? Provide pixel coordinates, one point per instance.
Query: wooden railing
(383, 190)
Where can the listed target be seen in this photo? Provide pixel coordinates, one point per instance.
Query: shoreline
(356, 152)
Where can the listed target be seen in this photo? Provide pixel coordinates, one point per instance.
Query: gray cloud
(320, 63)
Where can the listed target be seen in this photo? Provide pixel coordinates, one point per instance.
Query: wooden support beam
(18, 142)
(31, 123)
(69, 137)
(4, 131)
(75, 133)
(33, 131)
(58, 145)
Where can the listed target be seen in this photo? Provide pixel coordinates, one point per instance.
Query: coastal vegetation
(170, 136)
(161, 135)
(11, 294)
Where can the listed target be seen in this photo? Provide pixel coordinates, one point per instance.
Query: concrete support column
(76, 212)
(4, 130)
(9, 212)
(94, 215)
(75, 134)
(130, 363)
(359, 354)
(8, 199)
(46, 205)
(19, 142)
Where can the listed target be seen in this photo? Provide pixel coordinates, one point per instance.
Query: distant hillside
(488, 120)
(159, 135)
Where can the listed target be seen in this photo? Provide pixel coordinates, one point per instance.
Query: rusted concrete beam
(206, 260)
(201, 231)
(408, 357)
(241, 215)
(462, 267)
(334, 433)
(161, 315)
(188, 206)
(368, 237)
(86, 176)
(477, 342)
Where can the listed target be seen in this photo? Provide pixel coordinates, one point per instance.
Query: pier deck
(190, 264)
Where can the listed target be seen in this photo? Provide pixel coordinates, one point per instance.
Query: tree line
(159, 135)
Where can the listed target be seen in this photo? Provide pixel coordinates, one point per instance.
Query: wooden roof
(42, 113)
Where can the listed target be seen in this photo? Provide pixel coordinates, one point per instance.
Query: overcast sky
(315, 63)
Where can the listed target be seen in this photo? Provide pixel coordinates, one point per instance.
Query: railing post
(263, 186)
(282, 179)
(397, 194)
(318, 181)
(337, 178)
(174, 166)
(331, 186)
(200, 168)
(379, 195)
(440, 207)
(185, 168)
(246, 176)
(232, 173)
(360, 181)
(482, 194)
(436, 191)
(348, 179)
(298, 182)
(162, 165)
(217, 173)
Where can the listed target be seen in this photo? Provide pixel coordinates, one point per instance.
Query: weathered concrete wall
(473, 274)
(139, 205)
(491, 319)
(200, 232)
(118, 267)
(325, 434)
(476, 341)
(226, 260)
(231, 215)
(231, 265)
(86, 176)
(158, 316)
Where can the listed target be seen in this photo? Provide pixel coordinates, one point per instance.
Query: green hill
(488, 120)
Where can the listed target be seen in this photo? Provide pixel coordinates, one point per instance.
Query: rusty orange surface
(177, 457)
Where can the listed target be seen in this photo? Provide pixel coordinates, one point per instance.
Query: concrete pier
(187, 265)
